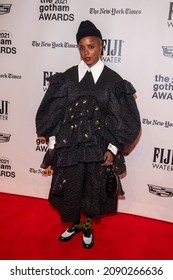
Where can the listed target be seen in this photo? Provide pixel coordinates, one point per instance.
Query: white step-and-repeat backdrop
(37, 39)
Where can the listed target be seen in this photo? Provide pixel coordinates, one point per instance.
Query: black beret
(87, 28)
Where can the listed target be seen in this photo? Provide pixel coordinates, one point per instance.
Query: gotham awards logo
(6, 43)
(41, 145)
(163, 88)
(58, 10)
(6, 168)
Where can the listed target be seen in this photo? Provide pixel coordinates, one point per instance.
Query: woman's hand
(108, 159)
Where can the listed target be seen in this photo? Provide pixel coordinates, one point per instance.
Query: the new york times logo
(112, 50)
(163, 159)
(4, 107)
(5, 8)
(170, 15)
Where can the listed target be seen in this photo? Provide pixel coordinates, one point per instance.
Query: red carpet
(30, 227)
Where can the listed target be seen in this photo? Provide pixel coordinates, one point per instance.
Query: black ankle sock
(87, 223)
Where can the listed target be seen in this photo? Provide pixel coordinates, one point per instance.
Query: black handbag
(113, 183)
(119, 163)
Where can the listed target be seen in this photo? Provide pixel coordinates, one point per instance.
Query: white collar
(96, 70)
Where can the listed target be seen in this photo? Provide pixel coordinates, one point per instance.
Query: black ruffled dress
(85, 117)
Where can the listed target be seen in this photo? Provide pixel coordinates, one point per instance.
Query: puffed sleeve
(123, 120)
(51, 110)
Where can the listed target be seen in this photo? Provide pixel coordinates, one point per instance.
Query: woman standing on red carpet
(88, 114)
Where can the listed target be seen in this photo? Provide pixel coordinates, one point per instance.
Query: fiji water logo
(112, 50)
(4, 108)
(163, 159)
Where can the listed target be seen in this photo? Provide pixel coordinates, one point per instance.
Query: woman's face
(90, 49)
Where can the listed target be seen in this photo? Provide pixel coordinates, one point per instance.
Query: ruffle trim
(57, 78)
(72, 155)
(123, 86)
